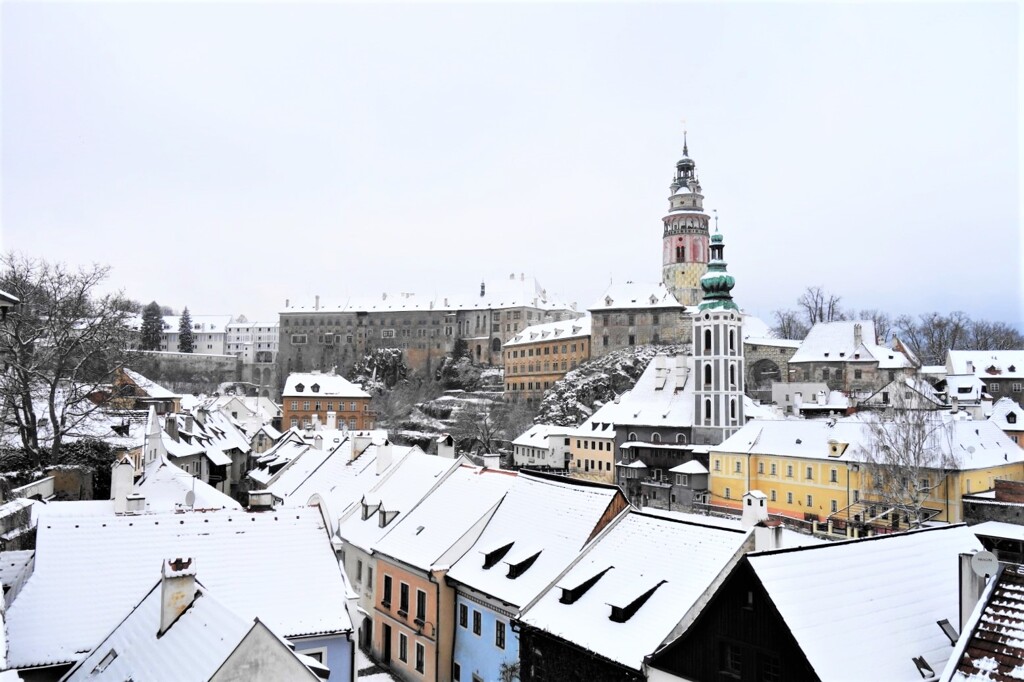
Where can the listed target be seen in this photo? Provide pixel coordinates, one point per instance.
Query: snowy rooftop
(200, 323)
(152, 389)
(270, 463)
(315, 384)
(964, 387)
(404, 486)
(836, 342)
(790, 538)
(997, 364)
(770, 341)
(881, 596)
(511, 292)
(636, 295)
(423, 538)
(165, 487)
(1003, 411)
(89, 573)
(999, 529)
(974, 444)
(543, 523)
(691, 467)
(194, 647)
(991, 646)
(640, 556)
(662, 396)
(552, 331)
(537, 435)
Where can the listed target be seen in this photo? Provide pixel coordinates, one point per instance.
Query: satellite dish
(190, 499)
(970, 449)
(984, 564)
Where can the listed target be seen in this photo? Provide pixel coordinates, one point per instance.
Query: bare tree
(62, 344)
(488, 427)
(908, 454)
(788, 325)
(883, 323)
(932, 334)
(820, 306)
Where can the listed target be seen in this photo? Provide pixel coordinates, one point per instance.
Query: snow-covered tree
(152, 327)
(186, 341)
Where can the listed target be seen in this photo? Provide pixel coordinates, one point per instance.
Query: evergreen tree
(186, 342)
(152, 326)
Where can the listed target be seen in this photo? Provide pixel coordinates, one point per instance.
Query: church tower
(684, 257)
(717, 354)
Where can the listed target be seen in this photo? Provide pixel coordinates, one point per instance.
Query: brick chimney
(177, 590)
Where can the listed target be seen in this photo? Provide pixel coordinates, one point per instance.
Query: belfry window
(680, 253)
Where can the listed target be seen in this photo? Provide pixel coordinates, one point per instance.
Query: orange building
(329, 399)
(540, 355)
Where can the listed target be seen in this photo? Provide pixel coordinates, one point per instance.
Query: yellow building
(540, 355)
(818, 470)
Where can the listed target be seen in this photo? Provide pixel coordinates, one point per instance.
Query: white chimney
(755, 508)
(360, 441)
(798, 400)
(659, 362)
(332, 420)
(491, 461)
(135, 504)
(177, 590)
(383, 457)
(317, 305)
(767, 535)
(261, 499)
(122, 480)
(819, 398)
(446, 447)
(858, 335)
(954, 404)
(970, 366)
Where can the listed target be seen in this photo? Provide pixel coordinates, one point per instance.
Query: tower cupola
(685, 234)
(717, 283)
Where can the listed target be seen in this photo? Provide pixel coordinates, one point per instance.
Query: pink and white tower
(684, 258)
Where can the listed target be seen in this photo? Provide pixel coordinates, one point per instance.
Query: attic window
(299, 388)
(385, 517)
(923, 668)
(856, 356)
(495, 555)
(1012, 368)
(570, 595)
(620, 614)
(107, 660)
(842, 354)
(516, 570)
(826, 355)
(315, 388)
(1011, 417)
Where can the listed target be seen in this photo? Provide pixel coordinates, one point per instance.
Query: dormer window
(495, 555)
(620, 614)
(517, 569)
(1012, 368)
(384, 517)
(299, 388)
(1011, 417)
(315, 388)
(570, 595)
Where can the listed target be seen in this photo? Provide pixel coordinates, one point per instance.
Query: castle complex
(684, 252)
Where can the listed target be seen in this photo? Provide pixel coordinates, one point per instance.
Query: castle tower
(684, 246)
(718, 354)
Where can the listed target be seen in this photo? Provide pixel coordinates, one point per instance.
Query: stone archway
(763, 373)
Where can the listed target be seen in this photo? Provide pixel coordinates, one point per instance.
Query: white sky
(227, 157)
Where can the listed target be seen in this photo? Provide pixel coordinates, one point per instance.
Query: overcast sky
(228, 157)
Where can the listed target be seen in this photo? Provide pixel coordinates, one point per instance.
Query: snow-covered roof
(7, 299)
(790, 538)
(973, 444)
(205, 324)
(882, 596)
(165, 487)
(90, 571)
(537, 435)
(552, 331)
(315, 384)
(836, 342)
(270, 463)
(1003, 411)
(754, 326)
(543, 520)
(513, 292)
(755, 410)
(662, 396)
(671, 562)
(771, 341)
(636, 295)
(996, 364)
(409, 480)
(999, 529)
(964, 387)
(430, 529)
(691, 467)
(152, 389)
(194, 647)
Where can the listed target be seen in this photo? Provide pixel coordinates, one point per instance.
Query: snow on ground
(368, 671)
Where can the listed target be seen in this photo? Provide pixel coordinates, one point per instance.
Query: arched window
(707, 342)
(631, 436)
(732, 409)
(732, 375)
(707, 410)
(732, 340)
(655, 437)
(707, 374)
(681, 438)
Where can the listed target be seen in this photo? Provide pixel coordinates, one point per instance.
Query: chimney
(135, 504)
(177, 590)
(446, 447)
(171, 427)
(975, 569)
(819, 398)
(286, 302)
(798, 400)
(332, 420)
(767, 535)
(755, 508)
(659, 362)
(970, 367)
(483, 289)
(201, 416)
(360, 442)
(954, 404)
(858, 335)
(122, 479)
(316, 306)
(261, 500)
(190, 424)
(491, 461)
(318, 442)
(383, 457)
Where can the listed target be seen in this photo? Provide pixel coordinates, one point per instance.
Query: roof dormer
(299, 388)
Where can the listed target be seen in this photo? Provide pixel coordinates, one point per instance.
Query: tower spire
(717, 283)
(686, 150)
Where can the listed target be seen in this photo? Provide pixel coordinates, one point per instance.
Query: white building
(543, 446)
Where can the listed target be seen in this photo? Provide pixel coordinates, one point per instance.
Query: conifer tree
(186, 342)
(152, 326)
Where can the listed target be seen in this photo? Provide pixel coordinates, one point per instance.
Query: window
(810, 501)
(632, 340)
(789, 471)
(359, 570)
(760, 467)
(773, 469)
(789, 498)
(387, 333)
(739, 467)
(728, 494)
(456, 668)
(403, 599)
(810, 473)
(463, 615)
(835, 506)
(295, 404)
(824, 374)
(718, 465)
(857, 374)
(833, 476)
(499, 634)
(421, 605)
(731, 663)
(386, 598)
(305, 404)
(298, 339)
(476, 622)
(420, 655)
(773, 496)
(771, 671)
(403, 648)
